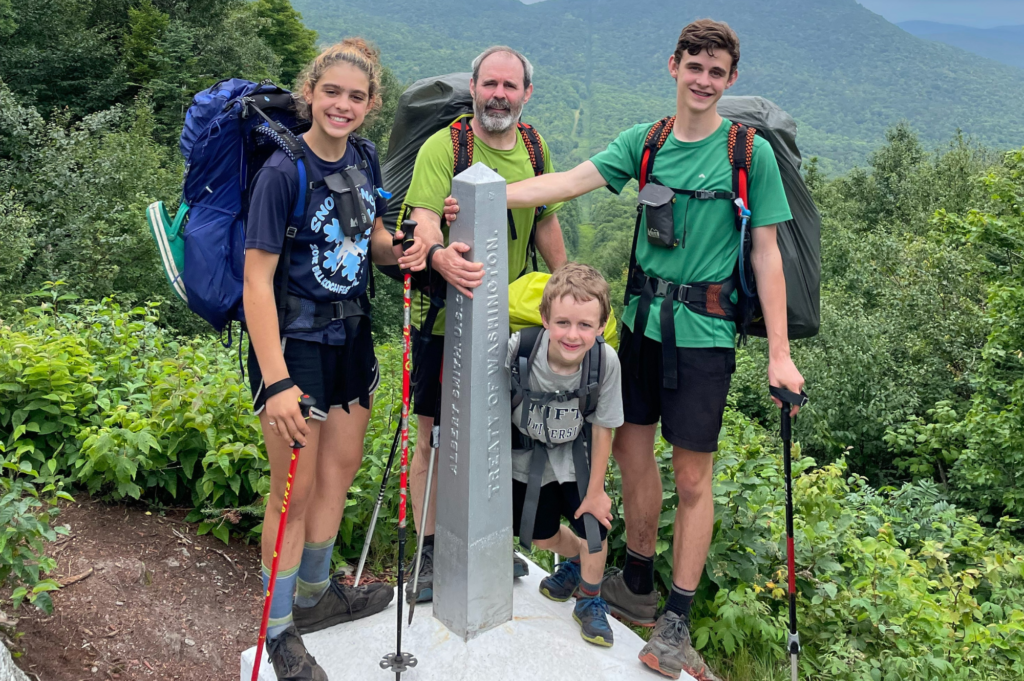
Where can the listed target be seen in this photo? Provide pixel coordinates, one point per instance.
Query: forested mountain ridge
(843, 72)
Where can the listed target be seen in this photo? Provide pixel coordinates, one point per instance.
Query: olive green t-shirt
(432, 183)
(708, 240)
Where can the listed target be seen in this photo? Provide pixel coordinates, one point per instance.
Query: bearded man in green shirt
(701, 246)
(501, 86)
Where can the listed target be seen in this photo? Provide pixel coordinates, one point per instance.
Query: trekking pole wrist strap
(278, 387)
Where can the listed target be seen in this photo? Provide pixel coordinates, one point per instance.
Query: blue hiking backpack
(230, 130)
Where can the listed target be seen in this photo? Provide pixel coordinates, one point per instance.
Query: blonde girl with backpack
(311, 336)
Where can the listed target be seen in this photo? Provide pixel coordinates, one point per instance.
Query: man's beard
(499, 121)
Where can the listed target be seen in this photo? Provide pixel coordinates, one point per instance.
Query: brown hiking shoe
(638, 609)
(291, 662)
(342, 604)
(670, 652)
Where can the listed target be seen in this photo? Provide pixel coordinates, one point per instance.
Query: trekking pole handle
(305, 404)
(788, 397)
(408, 227)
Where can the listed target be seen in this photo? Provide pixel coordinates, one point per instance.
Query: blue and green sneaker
(561, 585)
(592, 616)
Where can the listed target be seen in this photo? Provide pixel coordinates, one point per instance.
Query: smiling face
(573, 328)
(339, 102)
(701, 79)
(498, 93)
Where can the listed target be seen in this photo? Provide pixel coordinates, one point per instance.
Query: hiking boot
(592, 616)
(291, 662)
(425, 584)
(670, 652)
(638, 609)
(561, 585)
(342, 604)
(520, 568)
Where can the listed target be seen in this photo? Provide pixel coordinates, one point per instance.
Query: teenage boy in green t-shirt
(694, 156)
(501, 85)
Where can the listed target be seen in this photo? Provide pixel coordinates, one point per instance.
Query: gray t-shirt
(564, 418)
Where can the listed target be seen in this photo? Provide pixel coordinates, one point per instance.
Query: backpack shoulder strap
(656, 137)
(590, 379)
(533, 146)
(462, 143)
(523, 362)
(741, 154)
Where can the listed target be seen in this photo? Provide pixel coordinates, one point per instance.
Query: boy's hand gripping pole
(305, 404)
(398, 661)
(789, 399)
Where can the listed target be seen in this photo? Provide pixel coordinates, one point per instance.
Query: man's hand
(451, 209)
(457, 271)
(598, 505)
(782, 373)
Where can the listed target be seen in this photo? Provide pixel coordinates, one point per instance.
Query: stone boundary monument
(484, 626)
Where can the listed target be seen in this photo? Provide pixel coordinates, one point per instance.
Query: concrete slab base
(541, 643)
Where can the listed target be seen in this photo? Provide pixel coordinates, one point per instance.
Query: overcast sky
(979, 13)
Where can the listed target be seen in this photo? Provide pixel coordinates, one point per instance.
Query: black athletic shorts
(336, 376)
(691, 415)
(557, 501)
(427, 356)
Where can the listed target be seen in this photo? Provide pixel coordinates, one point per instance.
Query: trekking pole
(305, 403)
(398, 661)
(788, 399)
(376, 507)
(435, 443)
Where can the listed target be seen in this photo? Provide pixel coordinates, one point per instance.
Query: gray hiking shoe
(670, 652)
(519, 567)
(342, 604)
(638, 609)
(425, 584)
(290, 659)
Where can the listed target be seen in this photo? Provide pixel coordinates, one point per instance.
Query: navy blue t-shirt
(325, 264)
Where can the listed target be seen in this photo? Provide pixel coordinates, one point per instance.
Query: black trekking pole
(398, 661)
(788, 399)
(380, 500)
(435, 443)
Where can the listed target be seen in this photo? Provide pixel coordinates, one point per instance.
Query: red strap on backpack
(741, 136)
(655, 141)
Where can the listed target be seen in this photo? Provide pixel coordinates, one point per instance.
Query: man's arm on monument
(449, 262)
(546, 189)
(597, 502)
(771, 290)
(550, 243)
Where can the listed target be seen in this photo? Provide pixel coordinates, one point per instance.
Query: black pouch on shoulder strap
(351, 210)
(656, 201)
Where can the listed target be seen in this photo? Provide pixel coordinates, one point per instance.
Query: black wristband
(276, 388)
(430, 254)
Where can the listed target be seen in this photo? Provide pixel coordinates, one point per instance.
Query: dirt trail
(159, 602)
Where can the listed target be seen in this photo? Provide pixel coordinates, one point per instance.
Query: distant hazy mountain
(845, 73)
(1004, 44)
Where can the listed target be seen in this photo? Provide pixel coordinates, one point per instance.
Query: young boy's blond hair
(580, 281)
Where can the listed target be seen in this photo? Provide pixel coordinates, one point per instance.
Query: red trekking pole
(788, 399)
(305, 403)
(398, 661)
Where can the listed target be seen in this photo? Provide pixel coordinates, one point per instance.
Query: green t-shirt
(432, 183)
(708, 240)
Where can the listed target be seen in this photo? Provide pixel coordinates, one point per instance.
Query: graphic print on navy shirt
(325, 264)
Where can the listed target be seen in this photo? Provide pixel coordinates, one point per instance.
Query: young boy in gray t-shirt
(575, 308)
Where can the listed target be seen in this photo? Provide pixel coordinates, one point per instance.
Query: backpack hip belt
(323, 314)
(707, 298)
(590, 382)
